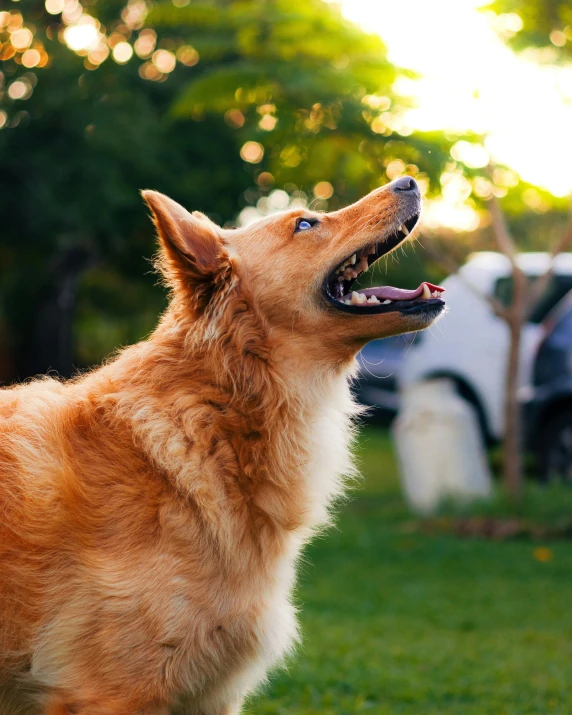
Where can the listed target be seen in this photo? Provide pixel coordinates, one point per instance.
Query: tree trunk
(513, 470)
(52, 338)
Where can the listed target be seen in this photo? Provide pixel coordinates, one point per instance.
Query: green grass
(398, 621)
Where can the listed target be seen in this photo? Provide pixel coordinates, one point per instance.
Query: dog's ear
(192, 251)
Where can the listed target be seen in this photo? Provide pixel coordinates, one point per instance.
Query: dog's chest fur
(317, 465)
(245, 608)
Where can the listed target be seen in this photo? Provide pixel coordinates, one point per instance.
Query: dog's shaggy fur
(151, 511)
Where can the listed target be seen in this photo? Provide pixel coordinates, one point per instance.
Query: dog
(152, 510)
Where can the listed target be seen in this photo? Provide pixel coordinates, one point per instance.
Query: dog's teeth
(436, 294)
(347, 301)
(363, 265)
(386, 302)
(350, 273)
(372, 299)
(404, 229)
(340, 279)
(353, 259)
(358, 298)
(426, 295)
(371, 251)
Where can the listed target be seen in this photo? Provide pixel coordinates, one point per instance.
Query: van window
(562, 333)
(557, 289)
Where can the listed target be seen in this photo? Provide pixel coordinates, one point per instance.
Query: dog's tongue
(390, 293)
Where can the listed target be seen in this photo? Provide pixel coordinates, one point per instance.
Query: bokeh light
(81, 37)
(122, 52)
(72, 11)
(164, 61)
(21, 39)
(99, 54)
(252, 152)
(54, 7)
(265, 179)
(15, 21)
(145, 43)
(149, 71)
(323, 190)
(268, 122)
(31, 58)
(134, 14)
(188, 55)
(395, 169)
(19, 90)
(558, 38)
(234, 118)
(276, 201)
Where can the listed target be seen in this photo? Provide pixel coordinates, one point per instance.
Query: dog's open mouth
(339, 283)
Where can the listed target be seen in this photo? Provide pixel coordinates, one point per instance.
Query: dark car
(379, 365)
(549, 412)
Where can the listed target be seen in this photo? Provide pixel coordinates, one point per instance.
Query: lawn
(395, 620)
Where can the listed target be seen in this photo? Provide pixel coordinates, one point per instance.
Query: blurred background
(459, 568)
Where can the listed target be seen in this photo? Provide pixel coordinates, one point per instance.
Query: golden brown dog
(151, 512)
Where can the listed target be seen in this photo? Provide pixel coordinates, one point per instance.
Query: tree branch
(451, 266)
(541, 284)
(502, 235)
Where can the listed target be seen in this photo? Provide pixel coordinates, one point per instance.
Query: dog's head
(297, 269)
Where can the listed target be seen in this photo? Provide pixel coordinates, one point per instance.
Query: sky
(472, 81)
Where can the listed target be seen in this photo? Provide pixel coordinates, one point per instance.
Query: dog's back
(80, 506)
(29, 461)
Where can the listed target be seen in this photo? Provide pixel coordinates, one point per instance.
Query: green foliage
(545, 24)
(322, 80)
(396, 621)
(72, 171)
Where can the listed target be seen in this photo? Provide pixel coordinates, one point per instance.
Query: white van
(470, 343)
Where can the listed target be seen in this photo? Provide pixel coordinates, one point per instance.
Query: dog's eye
(304, 224)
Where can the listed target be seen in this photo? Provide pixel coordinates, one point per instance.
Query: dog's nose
(405, 185)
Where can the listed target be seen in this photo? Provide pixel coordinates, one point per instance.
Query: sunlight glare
(471, 81)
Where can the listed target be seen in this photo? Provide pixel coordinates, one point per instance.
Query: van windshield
(557, 289)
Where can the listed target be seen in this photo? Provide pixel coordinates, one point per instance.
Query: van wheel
(555, 450)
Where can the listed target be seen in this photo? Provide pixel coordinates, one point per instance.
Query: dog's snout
(405, 185)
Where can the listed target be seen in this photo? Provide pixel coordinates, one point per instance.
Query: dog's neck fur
(226, 393)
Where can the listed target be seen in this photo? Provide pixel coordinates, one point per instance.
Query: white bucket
(439, 446)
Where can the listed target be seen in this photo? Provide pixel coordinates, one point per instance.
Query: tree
(73, 162)
(545, 27)
(524, 300)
